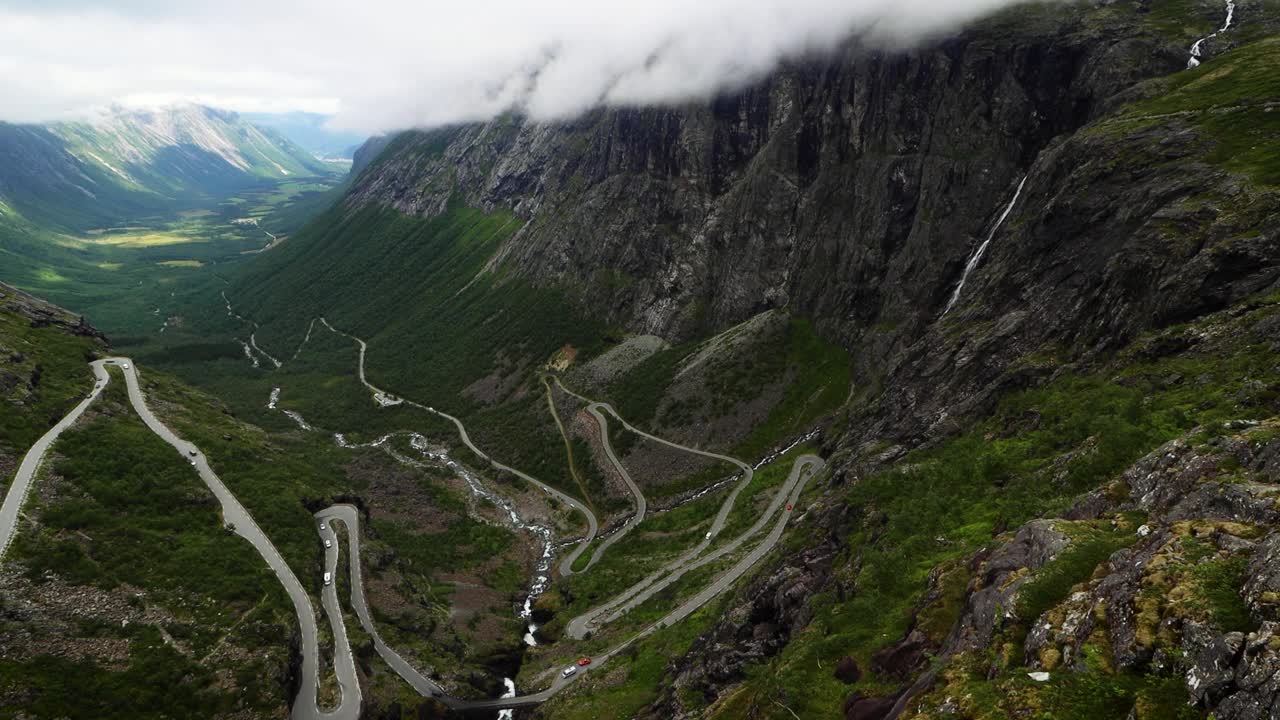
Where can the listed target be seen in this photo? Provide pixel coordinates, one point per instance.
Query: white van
(328, 578)
(570, 671)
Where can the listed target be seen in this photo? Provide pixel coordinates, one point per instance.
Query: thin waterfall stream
(982, 249)
(1196, 49)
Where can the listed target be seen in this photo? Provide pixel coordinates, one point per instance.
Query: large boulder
(859, 707)
(847, 671)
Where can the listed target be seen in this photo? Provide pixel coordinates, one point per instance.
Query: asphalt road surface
(236, 517)
(593, 527)
(579, 626)
(804, 469)
(642, 505)
(21, 486)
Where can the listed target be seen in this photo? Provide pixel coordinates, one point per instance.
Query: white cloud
(387, 64)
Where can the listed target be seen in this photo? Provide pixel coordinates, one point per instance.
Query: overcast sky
(388, 64)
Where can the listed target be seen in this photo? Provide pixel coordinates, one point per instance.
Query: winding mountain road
(21, 485)
(642, 505)
(236, 517)
(584, 623)
(804, 468)
(593, 527)
(349, 516)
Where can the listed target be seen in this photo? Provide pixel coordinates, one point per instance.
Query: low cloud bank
(388, 64)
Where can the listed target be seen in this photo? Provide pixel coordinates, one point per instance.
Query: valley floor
(679, 563)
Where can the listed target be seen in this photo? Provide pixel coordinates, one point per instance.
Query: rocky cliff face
(41, 313)
(1192, 594)
(824, 182)
(856, 191)
(824, 185)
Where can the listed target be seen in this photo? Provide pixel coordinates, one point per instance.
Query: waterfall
(248, 352)
(510, 693)
(977, 255)
(1194, 60)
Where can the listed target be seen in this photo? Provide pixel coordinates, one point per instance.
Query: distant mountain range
(77, 175)
(309, 130)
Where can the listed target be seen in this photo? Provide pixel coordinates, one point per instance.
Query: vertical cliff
(1116, 199)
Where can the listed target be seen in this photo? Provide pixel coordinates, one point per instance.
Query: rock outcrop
(756, 629)
(1192, 595)
(41, 313)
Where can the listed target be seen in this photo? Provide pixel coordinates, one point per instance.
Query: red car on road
(584, 662)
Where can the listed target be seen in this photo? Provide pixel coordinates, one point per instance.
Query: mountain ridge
(855, 193)
(76, 175)
(310, 131)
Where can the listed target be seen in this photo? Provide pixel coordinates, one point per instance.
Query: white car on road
(328, 543)
(328, 578)
(569, 671)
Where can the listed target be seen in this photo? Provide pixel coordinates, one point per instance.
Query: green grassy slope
(156, 535)
(118, 514)
(445, 329)
(417, 292)
(43, 371)
(1231, 101)
(159, 271)
(40, 177)
(119, 518)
